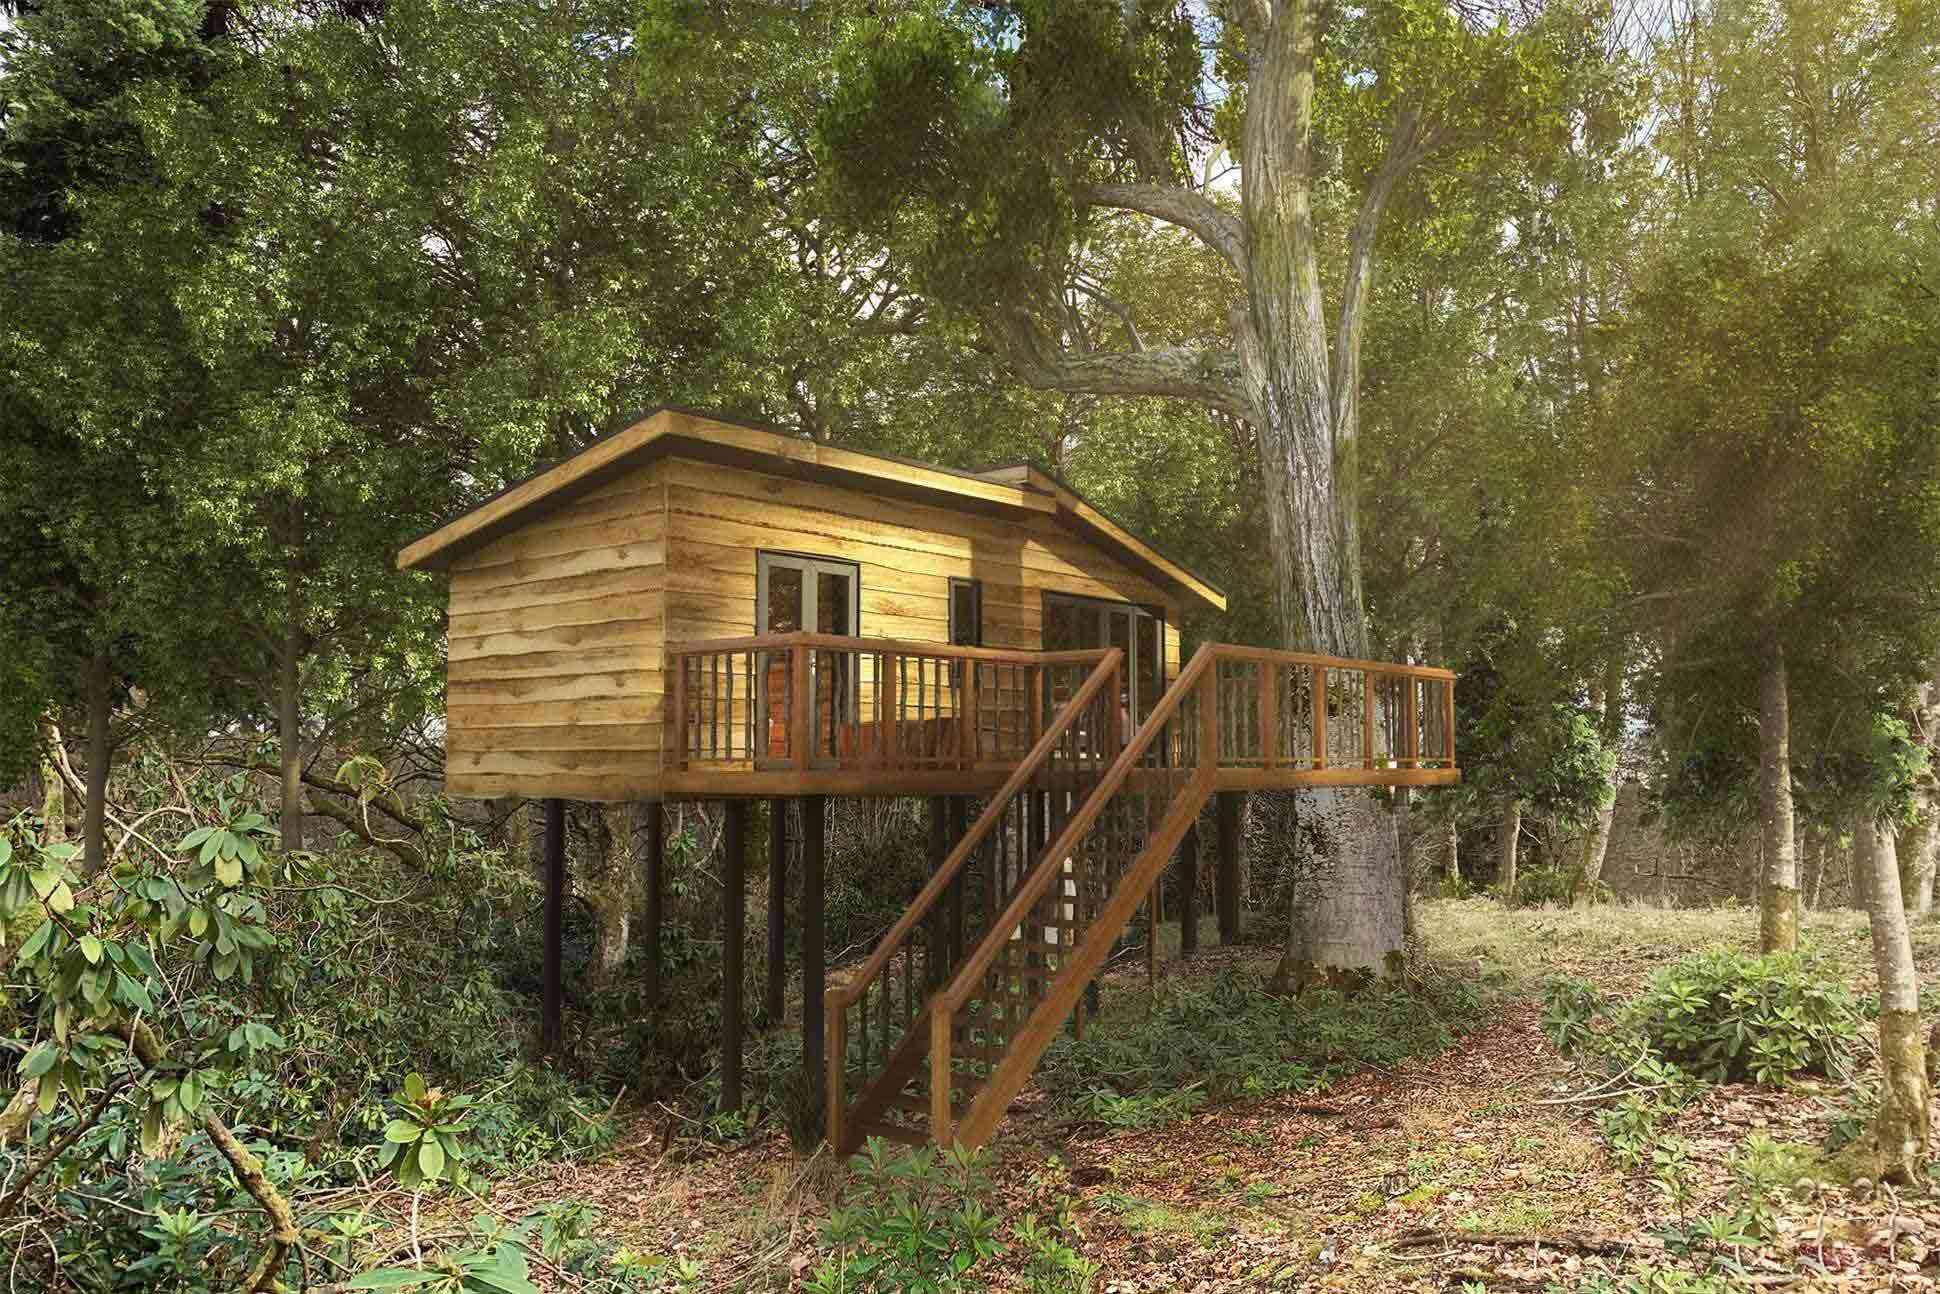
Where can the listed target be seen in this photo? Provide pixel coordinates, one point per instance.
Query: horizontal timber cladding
(719, 517)
(556, 636)
(558, 626)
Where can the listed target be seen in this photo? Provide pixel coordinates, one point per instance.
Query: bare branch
(1218, 228)
(1408, 143)
(1210, 377)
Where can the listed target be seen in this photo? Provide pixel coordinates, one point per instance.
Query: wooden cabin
(696, 608)
(579, 597)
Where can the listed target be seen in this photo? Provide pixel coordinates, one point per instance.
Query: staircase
(936, 1033)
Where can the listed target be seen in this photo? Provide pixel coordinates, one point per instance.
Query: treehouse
(697, 609)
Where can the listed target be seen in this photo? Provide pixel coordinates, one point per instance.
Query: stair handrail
(1050, 864)
(848, 993)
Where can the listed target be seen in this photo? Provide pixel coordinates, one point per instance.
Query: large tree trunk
(94, 814)
(1901, 1129)
(1508, 843)
(1348, 920)
(1404, 848)
(1778, 905)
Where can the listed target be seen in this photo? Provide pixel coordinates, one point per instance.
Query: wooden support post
(959, 828)
(1152, 919)
(553, 992)
(1226, 877)
(656, 896)
(1320, 716)
(734, 916)
(937, 937)
(814, 839)
(777, 1003)
(1189, 893)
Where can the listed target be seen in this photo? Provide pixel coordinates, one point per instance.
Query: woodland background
(1649, 394)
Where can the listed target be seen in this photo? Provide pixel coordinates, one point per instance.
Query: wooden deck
(817, 714)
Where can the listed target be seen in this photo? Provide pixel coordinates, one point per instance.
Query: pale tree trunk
(1901, 1129)
(1778, 905)
(1452, 852)
(53, 803)
(610, 884)
(1508, 843)
(1917, 862)
(1296, 381)
(94, 813)
(1597, 848)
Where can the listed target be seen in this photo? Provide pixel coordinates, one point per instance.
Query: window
(1073, 623)
(966, 613)
(794, 592)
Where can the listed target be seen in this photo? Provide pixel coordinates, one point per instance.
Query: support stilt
(813, 969)
(553, 993)
(734, 917)
(1189, 893)
(776, 1004)
(656, 824)
(1226, 878)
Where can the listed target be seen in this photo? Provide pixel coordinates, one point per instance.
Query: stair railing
(872, 1016)
(999, 1011)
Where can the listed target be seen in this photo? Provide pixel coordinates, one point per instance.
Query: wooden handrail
(1232, 651)
(886, 646)
(970, 975)
(849, 993)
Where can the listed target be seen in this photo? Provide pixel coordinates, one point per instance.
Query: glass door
(1079, 624)
(795, 592)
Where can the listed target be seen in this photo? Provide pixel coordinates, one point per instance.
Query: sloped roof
(1008, 490)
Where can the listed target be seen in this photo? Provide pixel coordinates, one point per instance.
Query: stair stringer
(1030, 1043)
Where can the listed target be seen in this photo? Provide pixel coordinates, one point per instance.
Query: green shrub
(1570, 1009)
(1229, 1037)
(909, 1221)
(1731, 1017)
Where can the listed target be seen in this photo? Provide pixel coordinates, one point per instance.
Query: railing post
(836, 1078)
(1448, 721)
(1269, 714)
(887, 692)
(1368, 677)
(940, 1073)
(801, 718)
(1320, 716)
(677, 748)
(1411, 722)
(967, 716)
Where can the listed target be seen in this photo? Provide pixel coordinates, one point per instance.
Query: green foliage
(428, 1139)
(909, 1221)
(1570, 1006)
(1731, 1017)
(1147, 1060)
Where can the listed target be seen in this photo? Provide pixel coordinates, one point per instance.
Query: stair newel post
(1209, 714)
(837, 1038)
(941, 1017)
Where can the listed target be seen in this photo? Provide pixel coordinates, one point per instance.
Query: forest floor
(1480, 1169)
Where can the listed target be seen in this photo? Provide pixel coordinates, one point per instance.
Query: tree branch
(1218, 228)
(355, 824)
(1407, 144)
(1208, 376)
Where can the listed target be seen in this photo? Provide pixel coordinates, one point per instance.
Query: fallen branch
(355, 824)
(1594, 1095)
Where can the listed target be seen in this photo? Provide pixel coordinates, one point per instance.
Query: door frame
(1132, 659)
(842, 683)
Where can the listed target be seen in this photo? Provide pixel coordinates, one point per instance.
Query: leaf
(91, 949)
(6, 851)
(151, 1127)
(389, 1278)
(198, 922)
(39, 1060)
(414, 1086)
(49, 1093)
(229, 870)
(402, 1131)
(37, 940)
(431, 1157)
(133, 993)
(194, 838)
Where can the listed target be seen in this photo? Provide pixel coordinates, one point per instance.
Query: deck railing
(1377, 716)
(820, 701)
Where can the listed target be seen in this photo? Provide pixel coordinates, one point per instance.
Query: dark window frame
(975, 589)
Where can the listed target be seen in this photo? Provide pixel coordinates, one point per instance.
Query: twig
(1594, 1095)
(1601, 1246)
(12, 1199)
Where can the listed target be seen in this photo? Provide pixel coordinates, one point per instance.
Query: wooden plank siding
(555, 639)
(557, 627)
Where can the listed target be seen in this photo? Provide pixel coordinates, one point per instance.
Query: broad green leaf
(151, 1126)
(431, 1157)
(414, 1088)
(229, 870)
(389, 1278)
(91, 949)
(38, 1061)
(37, 940)
(401, 1130)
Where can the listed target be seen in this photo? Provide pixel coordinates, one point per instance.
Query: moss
(1902, 1129)
(1778, 920)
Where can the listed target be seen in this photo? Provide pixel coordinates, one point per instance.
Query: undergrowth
(1155, 1058)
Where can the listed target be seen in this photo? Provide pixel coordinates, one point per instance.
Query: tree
(999, 143)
